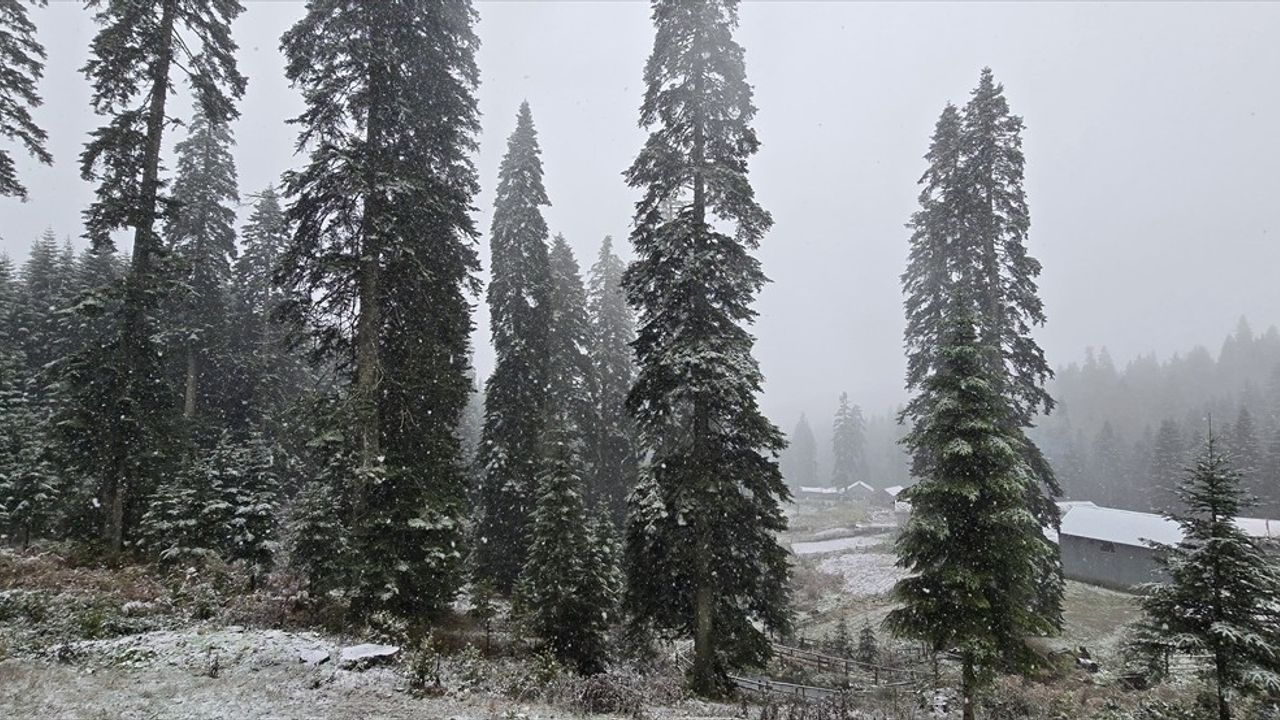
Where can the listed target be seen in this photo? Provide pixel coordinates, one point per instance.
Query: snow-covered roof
(821, 490)
(1127, 527)
(894, 490)
(860, 486)
(1260, 527)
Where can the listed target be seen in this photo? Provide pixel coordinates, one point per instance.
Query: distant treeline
(1121, 436)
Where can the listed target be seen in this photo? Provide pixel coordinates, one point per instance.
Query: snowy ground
(232, 674)
(844, 543)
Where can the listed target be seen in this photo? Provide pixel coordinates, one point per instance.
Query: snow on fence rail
(844, 665)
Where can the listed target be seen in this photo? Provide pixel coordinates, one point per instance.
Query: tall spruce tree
(271, 370)
(22, 56)
(381, 267)
(1221, 598)
(562, 593)
(702, 556)
(571, 377)
(800, 460)
(613, 329)
(1246, 455)
(516, 395)
(971, 231)
(848, 445)
(201, 238)
(1168, 458)
(45, 291)
(971, 545)
(131, 68)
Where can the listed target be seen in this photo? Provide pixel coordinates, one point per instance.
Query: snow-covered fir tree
(133, 60)
(381, 268)
(1168, 458)
(1241, 443)
(516, 394)
(22, 56)
(45, 290)
(799, 461)
(28, 482)
(252, 490)
(201, 240)
(868, 650)
(848, 445)
(1222, 596)
(613, 328)
(571, 378)
(702, 556)
(563, 593)
(971, 231)
(317, 540)
(271, 371)
(971, 545)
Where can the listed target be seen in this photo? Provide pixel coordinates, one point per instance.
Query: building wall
(1108, 564)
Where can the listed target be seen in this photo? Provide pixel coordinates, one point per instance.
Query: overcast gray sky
(1153, 164)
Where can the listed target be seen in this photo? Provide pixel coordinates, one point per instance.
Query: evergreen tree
(380, 269)
(561, 594)
(848, 445)
(44, 293)
(1220, 600)
(1246, 455)
(868, 646)
(841, 641)
(1167, 461)
(971, 544)
(1108, 459)
(971, 232)
(702, 553)
(571, 379)
(800, 460)
(516, 395)
(612, 331)
(201, 237)
(132, 61)
(187, 514)
(28, 486)
(252, 487)
(22, 56)
(271, 371)
(317, 540)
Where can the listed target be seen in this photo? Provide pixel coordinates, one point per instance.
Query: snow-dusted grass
(865, 574)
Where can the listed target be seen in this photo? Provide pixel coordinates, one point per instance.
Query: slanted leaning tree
(381, 268)
(971, 545)
(702, 555)
(515, 405)
(613, 328)
(22, 57)
(1222, 599)
(117, 423)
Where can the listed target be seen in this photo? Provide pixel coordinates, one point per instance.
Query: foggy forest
(669, 359)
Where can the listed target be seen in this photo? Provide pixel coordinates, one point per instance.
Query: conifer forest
(668, 359)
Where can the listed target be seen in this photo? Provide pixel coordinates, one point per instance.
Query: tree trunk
(1220, 669)
(706, 673)
(368, 322)
(134, 336)
(189, 395)
(968, 687)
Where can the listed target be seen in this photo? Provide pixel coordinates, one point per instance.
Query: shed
(1110, 547)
